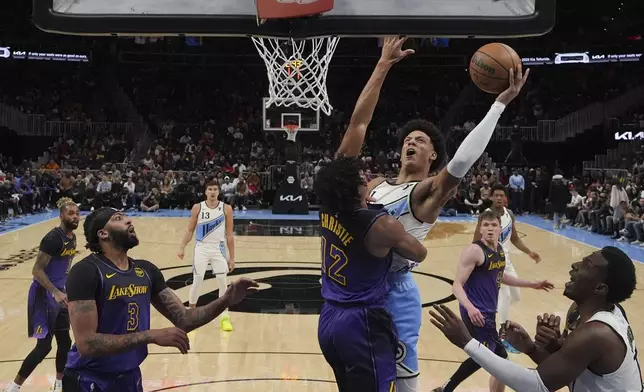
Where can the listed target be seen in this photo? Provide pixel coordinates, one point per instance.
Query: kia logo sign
(5, 52)
(291, 198)
(629, 136)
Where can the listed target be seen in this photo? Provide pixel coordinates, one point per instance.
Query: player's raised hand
(548, 335)
(516, 336)
(392, 51)
(517, 81)
(171, 337)
(542, 285)
(239, 289)
(450, 325)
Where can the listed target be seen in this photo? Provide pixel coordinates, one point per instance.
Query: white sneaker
(243, 208)
(622, 239)
(636, 242)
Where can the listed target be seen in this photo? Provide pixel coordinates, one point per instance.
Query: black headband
(96, 221)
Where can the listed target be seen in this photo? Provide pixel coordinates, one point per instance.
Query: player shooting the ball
(414, 198)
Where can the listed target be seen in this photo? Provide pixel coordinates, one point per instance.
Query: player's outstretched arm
(558, 371)
(169, 305)
(518, 242)
(431, 194)
(192, 223)
(388, 233)
(513, 281)
(392, 53)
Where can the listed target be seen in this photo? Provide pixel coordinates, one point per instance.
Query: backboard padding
(350, 18)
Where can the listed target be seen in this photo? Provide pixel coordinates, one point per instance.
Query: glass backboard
(360, 18)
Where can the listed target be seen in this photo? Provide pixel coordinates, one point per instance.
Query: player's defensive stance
(47, 306)
(414, 199)
(479, 275)
(355, 330)
(213, 221)
(599, 355)
(509, 234)
(109, 306)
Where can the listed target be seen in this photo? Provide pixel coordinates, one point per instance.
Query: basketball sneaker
(225, 324)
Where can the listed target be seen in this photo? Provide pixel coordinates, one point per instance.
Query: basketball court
(274, 345)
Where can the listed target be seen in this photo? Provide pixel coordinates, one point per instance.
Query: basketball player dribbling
(213, 220)
(598, 355)
(47, 307)
(355, 329)
(479, 276)
(414, 198)
(509, 234)
(109, 308)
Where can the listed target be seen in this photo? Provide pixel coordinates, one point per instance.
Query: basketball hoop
(297, 70)
(291, 132)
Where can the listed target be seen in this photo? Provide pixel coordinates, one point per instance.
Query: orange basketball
(490, 67)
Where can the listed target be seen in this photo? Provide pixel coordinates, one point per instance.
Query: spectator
(242, 193)
(517, 186)
(558, 198)
(150, 202)
(572, 208)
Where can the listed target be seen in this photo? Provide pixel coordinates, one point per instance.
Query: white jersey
(211, 225)
(396, 199)
(627, 378)
(506, 229)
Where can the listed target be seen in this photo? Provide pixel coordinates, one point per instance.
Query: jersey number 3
(133, 316)
(337, 260)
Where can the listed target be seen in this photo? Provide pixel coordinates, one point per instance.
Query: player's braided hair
(63, 203)
(620, 274)
(336, 185)
(434, 134)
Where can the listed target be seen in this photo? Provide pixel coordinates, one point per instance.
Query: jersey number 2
(337, 260)
(133, 316)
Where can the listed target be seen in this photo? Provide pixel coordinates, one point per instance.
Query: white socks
(222, 282)
(13, 387)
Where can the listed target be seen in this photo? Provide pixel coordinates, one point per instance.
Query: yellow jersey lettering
(68, 252)
(127, 291)
(496, 265)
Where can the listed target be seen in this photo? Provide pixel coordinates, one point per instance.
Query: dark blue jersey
(62, 249)
(351, 275)
(482, 287)
(123, 300)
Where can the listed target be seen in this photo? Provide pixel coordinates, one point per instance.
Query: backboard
(276, 117)
(349, 18)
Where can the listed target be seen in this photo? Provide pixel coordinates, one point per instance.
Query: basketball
(490, 67)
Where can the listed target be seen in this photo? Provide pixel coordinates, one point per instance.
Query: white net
(297, 70)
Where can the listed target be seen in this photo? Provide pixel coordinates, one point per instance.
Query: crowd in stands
(207, 123)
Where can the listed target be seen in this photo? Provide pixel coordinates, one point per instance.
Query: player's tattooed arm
(353, 139)
(83, 316)
(171, 307)
(38, 271)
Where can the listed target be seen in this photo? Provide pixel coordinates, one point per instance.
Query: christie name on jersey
(330, 223)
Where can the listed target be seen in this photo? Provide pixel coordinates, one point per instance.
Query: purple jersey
(62, 249)
(482, 287)
(350, 274)
(123, 301)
